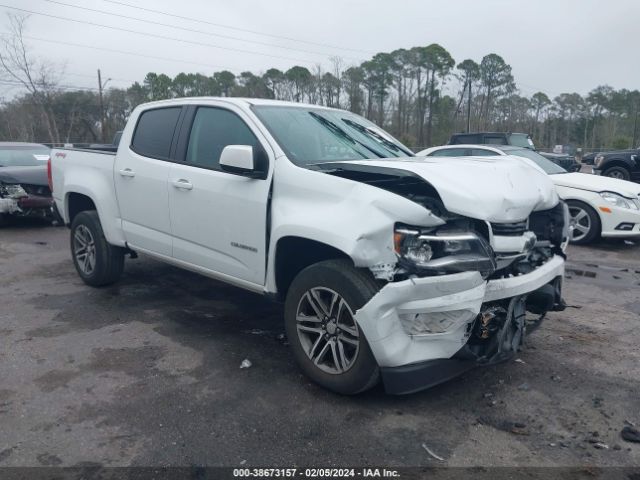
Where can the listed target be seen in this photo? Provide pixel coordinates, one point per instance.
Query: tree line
(421, 95)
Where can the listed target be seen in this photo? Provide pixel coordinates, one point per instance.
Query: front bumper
(458, 296)
(31, 205)
(618, 216)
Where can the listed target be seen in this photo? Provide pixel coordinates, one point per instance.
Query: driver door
(219, 219)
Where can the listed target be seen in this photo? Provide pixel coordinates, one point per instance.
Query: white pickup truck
(410, 270)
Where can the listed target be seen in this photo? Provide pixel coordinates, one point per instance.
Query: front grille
(39, 190)
(509, 229)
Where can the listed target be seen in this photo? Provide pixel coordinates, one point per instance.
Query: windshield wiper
(376, 136)
(337, 130)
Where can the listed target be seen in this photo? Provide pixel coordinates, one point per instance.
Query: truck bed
(87, 173)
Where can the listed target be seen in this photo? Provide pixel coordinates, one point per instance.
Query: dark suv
(622, 164)
(493, 138)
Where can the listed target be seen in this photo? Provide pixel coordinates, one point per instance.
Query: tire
(582, 215)
(620, 173)
(4, 219)
(108, 261)
(357, 369)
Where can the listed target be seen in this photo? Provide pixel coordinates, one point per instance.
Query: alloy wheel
(84, 249)
(327, 330)
(580, 221)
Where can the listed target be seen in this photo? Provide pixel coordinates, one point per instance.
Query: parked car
(493, 138)
(621, 164)
(568, 162)
(599, 206)
(589, 158)
(24, 189)
(522, 140)
(388, 267)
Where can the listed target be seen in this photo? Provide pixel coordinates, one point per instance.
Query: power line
(124, 52)
(197, 20)
(190, 29)
(86, 75)
(64, 87)
(153, 35)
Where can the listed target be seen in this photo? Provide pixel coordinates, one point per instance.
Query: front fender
(353, 217)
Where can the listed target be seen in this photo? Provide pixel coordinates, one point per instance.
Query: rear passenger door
(140, 176)
(219, 219)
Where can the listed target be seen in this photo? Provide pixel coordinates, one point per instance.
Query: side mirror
(244, 160)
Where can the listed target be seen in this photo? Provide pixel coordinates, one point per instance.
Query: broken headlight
(434, 252)
(12, 191)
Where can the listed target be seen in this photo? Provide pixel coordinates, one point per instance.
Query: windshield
(313, 135)
(547, 165)
(521, 140)
(27, 156)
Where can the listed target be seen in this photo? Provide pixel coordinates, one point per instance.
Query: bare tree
(39, 77)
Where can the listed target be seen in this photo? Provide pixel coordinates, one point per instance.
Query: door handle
(127, 172)
(183, 184)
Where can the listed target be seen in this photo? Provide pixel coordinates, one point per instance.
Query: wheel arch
(78, 202)
(294, 253)
(86, 190)
(586, 203)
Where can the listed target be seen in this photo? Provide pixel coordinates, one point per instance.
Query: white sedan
(599, 206)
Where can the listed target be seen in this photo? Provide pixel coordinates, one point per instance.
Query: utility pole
(635, 127)
(469, 109)
(102, 119)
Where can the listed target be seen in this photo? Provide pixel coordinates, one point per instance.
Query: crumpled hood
(497, 189)
(36, 175)
(597, 183)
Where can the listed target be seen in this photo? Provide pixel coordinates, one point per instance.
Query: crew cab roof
(240, 101)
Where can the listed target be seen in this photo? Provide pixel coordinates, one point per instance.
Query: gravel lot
(146, 372)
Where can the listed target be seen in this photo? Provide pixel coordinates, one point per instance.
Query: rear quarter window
(154, 132)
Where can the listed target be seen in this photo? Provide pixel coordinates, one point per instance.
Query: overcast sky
(553, 46)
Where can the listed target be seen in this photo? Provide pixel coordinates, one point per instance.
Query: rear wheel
(320, 323)
(97, 262)
(585, 222)
(620, 173)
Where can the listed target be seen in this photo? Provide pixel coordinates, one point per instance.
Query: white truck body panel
(228, 226)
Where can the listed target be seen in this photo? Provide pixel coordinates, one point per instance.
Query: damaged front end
(25, 200)
(464, 294)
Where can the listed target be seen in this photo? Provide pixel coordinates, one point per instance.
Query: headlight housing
(598, 160)
(442, 252)
(10, 190)
(619, 200)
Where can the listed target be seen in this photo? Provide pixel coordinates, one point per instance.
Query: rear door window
(154, 132)
(212, 130)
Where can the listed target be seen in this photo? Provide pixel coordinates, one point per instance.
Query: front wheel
(585, 222)
(620, 173)
(320, 323)
(97, 262)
